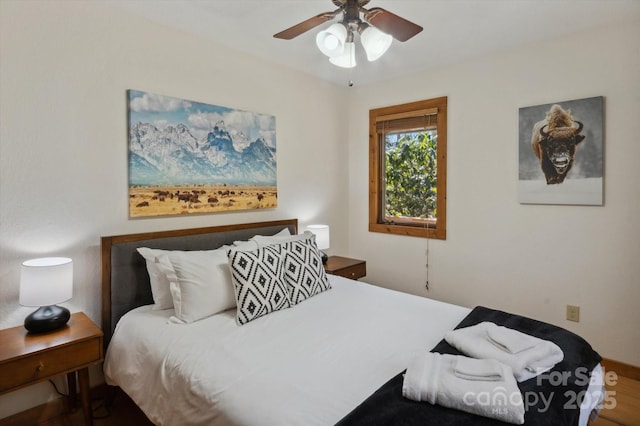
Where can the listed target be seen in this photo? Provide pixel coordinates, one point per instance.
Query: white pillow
(282, 233)
(245, 245)
(253, 245)
(159, 283)
(200, 282)
(263, 240)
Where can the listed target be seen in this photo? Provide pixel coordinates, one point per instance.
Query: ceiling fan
(337, 41)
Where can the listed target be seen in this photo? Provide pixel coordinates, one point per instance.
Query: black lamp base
(324, 257)
(47, 318)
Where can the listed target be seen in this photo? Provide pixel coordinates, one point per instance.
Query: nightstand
(26, 359)
(346, 267)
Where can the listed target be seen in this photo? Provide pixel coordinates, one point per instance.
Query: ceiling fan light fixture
(331, 41)
(377, 28)
(347, 59)
(375, 42)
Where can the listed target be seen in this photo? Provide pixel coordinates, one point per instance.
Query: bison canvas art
(187, 157)
(560, 153)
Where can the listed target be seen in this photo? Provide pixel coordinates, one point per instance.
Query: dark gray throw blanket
(552, 398)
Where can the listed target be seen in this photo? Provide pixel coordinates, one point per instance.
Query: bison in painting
(554, 141)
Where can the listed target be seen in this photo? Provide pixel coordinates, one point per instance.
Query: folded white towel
(435, 378)
(478, 369)
(527, 355)
(510, 340)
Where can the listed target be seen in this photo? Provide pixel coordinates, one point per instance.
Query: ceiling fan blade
(305, 26)
(392, 24)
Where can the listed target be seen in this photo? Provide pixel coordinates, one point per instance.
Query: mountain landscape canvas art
(188, 157)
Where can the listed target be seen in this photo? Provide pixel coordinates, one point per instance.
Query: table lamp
(43, 283)
(322, 238)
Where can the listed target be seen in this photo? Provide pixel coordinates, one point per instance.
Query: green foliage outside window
(411, 174)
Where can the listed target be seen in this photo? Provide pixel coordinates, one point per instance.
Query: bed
(336, 357)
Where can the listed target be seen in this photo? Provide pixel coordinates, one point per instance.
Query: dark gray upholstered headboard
(125, 281)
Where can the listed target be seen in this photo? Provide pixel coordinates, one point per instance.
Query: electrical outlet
(573, 313)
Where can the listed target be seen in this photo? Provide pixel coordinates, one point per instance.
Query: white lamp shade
(375, 42)
(347, 59)
(46, 281)
(332, 40)
(322, 235)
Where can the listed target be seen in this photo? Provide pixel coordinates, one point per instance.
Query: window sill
(411, 231)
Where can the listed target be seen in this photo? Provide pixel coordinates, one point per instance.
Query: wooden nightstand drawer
(353, 272)
(39, 366)
(346, 267)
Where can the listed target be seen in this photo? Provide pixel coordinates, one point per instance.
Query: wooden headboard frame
(125, 281)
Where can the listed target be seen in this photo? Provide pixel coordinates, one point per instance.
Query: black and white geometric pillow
(304, 270)
(259, 282)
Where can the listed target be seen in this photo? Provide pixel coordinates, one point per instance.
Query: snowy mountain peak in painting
(174, 156)
(220, 131)
(178, 142)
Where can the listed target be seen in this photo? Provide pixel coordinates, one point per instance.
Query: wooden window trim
(375, 187)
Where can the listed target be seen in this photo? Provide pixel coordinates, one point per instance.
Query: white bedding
(307, 365)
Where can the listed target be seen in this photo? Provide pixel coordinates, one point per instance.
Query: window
(408, 169)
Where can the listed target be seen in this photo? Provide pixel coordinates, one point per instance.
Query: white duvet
(307, 365)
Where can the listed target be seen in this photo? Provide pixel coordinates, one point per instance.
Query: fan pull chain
(427, 266)
(350, 83)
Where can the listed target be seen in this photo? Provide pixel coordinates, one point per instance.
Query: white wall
(64, 71)
(65, 67)
(528, 259)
